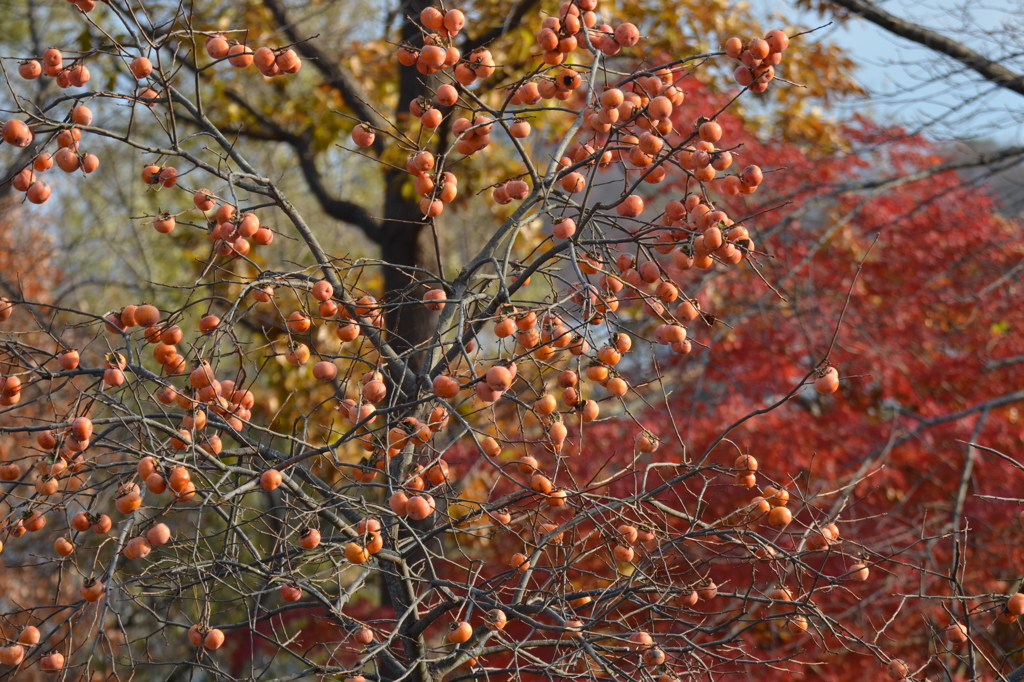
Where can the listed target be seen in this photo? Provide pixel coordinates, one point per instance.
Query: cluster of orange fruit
(559, 36)
(270, 62)
(69, 157)
(759, 57)
(30, 637)
(643, 105)
(52, 64)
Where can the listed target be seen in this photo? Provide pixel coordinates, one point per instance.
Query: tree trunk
(404, 239)
(405, 242)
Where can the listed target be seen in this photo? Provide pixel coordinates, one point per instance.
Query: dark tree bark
(402, 234)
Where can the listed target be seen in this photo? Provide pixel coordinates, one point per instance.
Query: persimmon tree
(182, 523)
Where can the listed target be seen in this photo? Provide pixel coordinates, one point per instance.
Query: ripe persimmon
(435, 299)
(419, 507)
(271, 479)
(297, 354)
(240, 56)
(776, 497)
(363, 636)
(363, 135)
(290, 592)
(707, 590)
(780, 517)
(45, 439)
(432, 18)
(92, 590)
(623, 553)
(137, 548)
(438, 473)
(325, 370)
(859, 571)
(374, 391)
(616, 387)
(217, 47)
(309, 539)
(630, 207)
(63, 547)
(213, 639)
(129, 502)
(52, 663)
(29, 636)
(626, 34)
(179, 478)
(540, 483)
(195, 636)
(374, 542)
(43, 162)
(519, 129)
(208, 323)
(47, 485)
(495, 619)
(519, 562)
(777, 41)
(35, 521)
(589, 410)
(82, 428)
(654, 657)
(796, 624)
(81, 115)
(141, 67)
(897, 670)
(1015, 604)
(101, 525)
(17, 133)
(827, 381)
(80, 522)
(646, 442)
(956, 633)
(288, 61)
(445, 387)
(67, 160)
(158, 535)
(490, 447)
(745, 464)
(399, 503)
(460, 632)
(30, 69)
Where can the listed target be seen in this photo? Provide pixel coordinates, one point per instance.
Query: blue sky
(896, 70)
